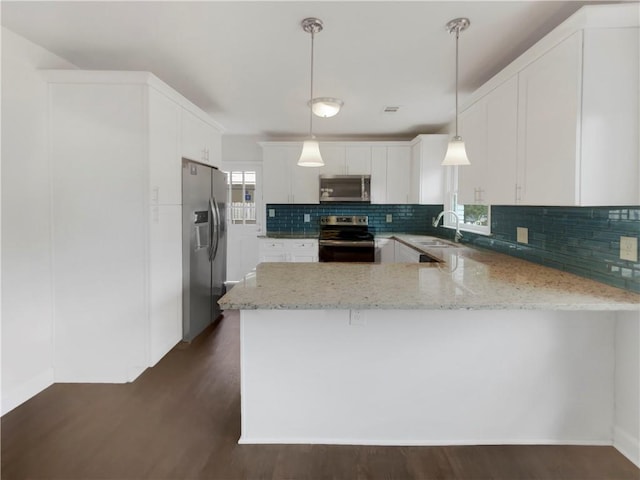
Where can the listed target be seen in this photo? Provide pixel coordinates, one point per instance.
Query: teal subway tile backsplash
(416, 219)
(580, 240)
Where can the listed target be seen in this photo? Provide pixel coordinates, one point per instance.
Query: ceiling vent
(391, 109)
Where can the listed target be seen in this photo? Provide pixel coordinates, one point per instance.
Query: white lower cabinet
(385, 250)
(405, 254)
(288, 250)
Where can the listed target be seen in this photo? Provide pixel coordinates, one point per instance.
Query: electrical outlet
(307, 217)
(272, 212)
(389, 218)
(356, 318)
(629, 249)
(522, 234)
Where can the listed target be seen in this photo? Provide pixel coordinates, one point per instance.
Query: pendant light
(456, 153)
(310, 156)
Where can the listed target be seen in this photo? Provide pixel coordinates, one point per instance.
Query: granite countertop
(466, 278)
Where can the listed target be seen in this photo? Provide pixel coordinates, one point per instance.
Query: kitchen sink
(435, 243)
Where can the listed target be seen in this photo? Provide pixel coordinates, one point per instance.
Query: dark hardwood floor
(181, 420)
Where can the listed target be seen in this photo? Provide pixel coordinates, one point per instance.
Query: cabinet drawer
(304, 246)
(272, 246)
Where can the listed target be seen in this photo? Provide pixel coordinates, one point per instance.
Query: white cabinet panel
(164, 149)
(305, 183)
(334, 160)
(502, 144)
(358, 160)
(276, 171)
(200, 141)
(165, 275)
(405, 254)
(398, 171)
(427, 173)
(472, 179)
(303, 250)
(385, 250)
(99, 174)
(489, 129)
(610, 162)
(288, 250)
(549, 104)
(283, 180)
(378, 174)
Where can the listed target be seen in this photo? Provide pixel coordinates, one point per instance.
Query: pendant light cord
(311, 91)
(457, 36)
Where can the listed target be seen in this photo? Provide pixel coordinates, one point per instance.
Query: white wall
(626, 434)
(241, 148)
(27, 304)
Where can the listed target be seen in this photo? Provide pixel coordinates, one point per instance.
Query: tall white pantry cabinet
(116, 141)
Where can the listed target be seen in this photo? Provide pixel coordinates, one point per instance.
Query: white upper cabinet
(472, 179)
(283, 180)
(559, 126)
(358, 160)
(502, 144)
(378, 174)
(610, 160)
(578, 124)
(549, 126)
(388, 163)
(427, 173)
(347, 159)
(398, 172)
(489, 130)
(201, 142)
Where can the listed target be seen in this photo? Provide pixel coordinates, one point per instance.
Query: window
(242, 197)
(473, 218)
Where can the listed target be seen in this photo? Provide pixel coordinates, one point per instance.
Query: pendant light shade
(456, 152)
(310, 156)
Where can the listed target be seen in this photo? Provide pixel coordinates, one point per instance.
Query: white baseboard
(26, 390)
(418, 443)
(627, 445)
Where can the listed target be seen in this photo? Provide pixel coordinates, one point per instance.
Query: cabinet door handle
(518, 192)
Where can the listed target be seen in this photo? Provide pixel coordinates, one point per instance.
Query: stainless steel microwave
(345, 188)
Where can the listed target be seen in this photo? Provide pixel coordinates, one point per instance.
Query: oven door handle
(346, 243)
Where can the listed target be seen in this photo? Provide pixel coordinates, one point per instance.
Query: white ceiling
(247, 63)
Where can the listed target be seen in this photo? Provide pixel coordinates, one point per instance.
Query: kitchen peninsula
(479, 348)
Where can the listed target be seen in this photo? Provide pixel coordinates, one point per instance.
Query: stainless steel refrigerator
(204, 246)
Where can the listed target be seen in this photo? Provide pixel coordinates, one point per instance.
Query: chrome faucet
(458, 235)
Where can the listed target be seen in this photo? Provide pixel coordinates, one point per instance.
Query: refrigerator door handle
(218, 226)
(213, 225)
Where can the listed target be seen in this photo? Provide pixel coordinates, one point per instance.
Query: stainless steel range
(346, 239)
